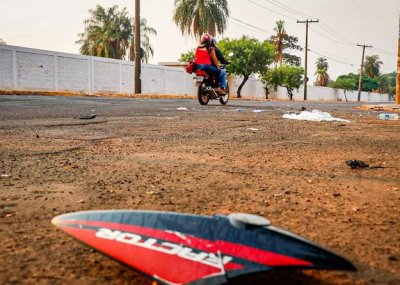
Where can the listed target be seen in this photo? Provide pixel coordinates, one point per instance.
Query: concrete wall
(316, 93)
(33, 69)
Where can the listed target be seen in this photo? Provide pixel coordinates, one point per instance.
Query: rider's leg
(222, 79)
(212, 71)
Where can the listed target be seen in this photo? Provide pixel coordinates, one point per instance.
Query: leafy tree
(284, 42)
(290, 77)
(372, 65)
(146, 49)
(387, 83)
(195, 17)
(322, 72)
(107, 33)
(345, 83)
(250, 57)
(186, 57)
(369, 84)
(383, 84)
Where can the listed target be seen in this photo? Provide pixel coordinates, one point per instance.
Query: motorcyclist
(218, 52)
(220, 56)
(206, 60)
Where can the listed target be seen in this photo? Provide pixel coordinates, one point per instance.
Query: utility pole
(307, 22)
(398, 71)
(361, 71)
(138, 82)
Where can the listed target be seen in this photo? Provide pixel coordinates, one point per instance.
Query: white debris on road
(315, 116)
(182, 109)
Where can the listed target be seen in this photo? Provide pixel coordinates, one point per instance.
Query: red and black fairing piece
(178, 248)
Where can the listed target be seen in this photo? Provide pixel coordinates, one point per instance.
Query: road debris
(315, 115)
(361, 164)
(88, 117)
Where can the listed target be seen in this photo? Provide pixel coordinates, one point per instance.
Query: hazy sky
(54, 25)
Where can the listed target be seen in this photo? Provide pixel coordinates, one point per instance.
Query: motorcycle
(206, 85)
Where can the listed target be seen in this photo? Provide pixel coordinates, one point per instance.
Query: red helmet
(205, 38)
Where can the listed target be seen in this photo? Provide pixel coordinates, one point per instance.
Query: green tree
(146, 49)
(107, 33)
(369, 84)
(345, 83)
(290, 77)
(372, 65)
(195, 17)
(283, 42)
(383, 84)
(322, 72)
(250, 57)
(186, 57)
(387, 83)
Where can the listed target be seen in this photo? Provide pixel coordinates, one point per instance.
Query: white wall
(32, 69)
(316, 93)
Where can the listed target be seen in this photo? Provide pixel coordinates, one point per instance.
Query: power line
(332, 58)
(273, 11)
(289, 9)
(333, 40)
(251, 27)
(334, 36)
(324, 26)
(386, 52)
(264, 32)
(314, 50)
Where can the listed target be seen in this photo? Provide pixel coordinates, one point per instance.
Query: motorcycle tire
(202, 95)
(225, 98)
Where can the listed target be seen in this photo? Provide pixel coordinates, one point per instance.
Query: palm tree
(284, 44)
(107, 33)
(322, 72)
(372, 65)
(146, 49)
(195, 17)
(278, 40)
(383, 84)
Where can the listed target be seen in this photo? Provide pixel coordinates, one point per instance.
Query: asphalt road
(149, 154)
(35, 107)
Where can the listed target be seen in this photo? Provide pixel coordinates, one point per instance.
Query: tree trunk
(246, 77)
(290, 93)
(266, 92)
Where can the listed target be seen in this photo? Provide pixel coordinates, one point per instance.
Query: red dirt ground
(292, 173)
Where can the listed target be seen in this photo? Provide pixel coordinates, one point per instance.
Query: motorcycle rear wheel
(225, 98)
(202, 95)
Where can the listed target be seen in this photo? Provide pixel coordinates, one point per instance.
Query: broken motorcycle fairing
(178, 248)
